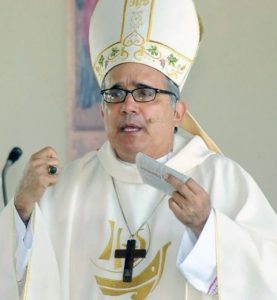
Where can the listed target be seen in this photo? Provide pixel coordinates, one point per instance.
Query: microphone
(14, 155)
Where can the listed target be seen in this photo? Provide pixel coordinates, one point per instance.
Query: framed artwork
(85, 124)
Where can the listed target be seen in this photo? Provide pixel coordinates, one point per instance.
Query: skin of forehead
(153, 73)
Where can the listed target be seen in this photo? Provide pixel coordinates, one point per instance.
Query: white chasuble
(80, 223)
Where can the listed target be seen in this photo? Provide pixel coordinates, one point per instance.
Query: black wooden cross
(129, 254)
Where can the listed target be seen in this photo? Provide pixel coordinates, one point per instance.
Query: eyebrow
(143, 85)
(138, 85)
(116, 86)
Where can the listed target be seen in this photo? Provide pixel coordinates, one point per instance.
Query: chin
(131, 149)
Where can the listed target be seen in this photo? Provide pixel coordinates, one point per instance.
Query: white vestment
(79, 224)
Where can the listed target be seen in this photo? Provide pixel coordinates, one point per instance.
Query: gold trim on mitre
(135, 43)
(135, 49)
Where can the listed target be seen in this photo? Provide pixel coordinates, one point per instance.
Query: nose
(129, 106)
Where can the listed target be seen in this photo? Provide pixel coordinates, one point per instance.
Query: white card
(152, 173)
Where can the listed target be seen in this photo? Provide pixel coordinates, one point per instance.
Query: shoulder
(227, 170)
(87, 160)
(72, 175)
(74, 170)
(219, 161)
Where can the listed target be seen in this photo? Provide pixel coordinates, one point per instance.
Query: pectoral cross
(129, 254)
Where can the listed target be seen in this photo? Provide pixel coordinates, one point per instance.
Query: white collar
(187, 153)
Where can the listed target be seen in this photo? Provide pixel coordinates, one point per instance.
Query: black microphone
(14, 155)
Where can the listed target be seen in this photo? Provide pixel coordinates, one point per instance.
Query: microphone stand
(13, 157)
(4, 171)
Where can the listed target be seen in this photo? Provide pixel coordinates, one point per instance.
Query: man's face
(134, 127)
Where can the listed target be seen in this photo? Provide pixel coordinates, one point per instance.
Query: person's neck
(163, 158)
(155, 153)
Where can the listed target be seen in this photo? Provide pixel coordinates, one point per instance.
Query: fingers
(45, 152)
(36, 177)
(178, 210)
(190, 203)
(180, 200)
(42, 164)
(189, 188)
(35, 180)
(44, 159)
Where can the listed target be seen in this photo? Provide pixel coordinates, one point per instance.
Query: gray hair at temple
(172, 87)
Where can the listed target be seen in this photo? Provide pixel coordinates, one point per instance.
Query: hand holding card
(153, 173)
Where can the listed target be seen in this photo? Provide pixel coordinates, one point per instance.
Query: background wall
(231, 89)
(32, 80)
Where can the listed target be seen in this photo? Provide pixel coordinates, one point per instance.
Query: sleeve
(46, 267)
(24, 238)
(8, 278)
(246, 239)
(196, 258)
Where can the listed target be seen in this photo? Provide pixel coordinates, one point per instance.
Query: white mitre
(162, 34)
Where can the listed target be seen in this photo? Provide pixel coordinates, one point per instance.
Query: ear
(179, 113)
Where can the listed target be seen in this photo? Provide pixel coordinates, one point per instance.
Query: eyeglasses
(146, 94)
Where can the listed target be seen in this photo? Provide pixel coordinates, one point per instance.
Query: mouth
(130, 128)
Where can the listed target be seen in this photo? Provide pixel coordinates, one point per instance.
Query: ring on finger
(52, 170)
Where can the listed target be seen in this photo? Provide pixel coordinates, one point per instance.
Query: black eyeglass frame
(157, 91)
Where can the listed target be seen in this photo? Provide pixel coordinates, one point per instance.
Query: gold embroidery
(142, 284)
(141, 240)
(135, 44)
(133, 39)
(108, 250)
(136, 47)
(139, 293)
(117, 261)
(138, 3)
(123, 20)
(136, 20)
(169, 49)
(150, 20)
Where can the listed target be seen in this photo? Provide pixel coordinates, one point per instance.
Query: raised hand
(36, 178)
